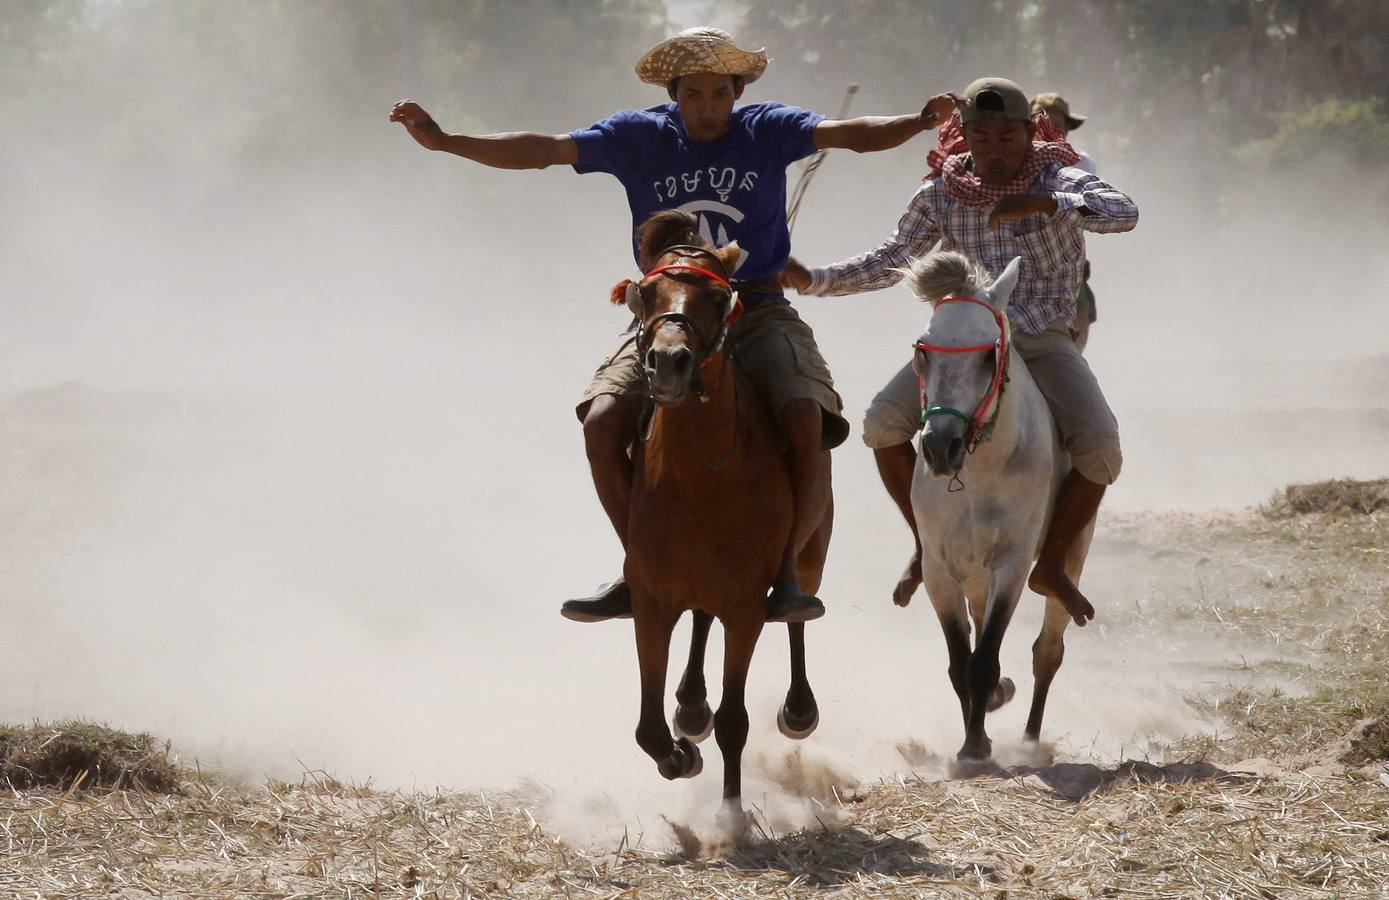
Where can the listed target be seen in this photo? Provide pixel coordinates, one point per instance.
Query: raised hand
(939, 108)
(419, 123)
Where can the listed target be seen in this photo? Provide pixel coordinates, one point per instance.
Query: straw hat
(700, 51)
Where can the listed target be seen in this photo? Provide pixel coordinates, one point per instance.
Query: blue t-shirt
(735, 185)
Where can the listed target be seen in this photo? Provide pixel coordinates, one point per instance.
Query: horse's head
(961, 358)
(683, 302)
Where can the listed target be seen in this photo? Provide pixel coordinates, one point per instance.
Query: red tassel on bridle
(618, 297)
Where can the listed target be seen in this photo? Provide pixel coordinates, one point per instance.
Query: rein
(980, 423)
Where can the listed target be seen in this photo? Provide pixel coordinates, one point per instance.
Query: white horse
(982, 524)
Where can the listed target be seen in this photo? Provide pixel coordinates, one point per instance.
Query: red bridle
(980, 421)
(698, 270)
(709, 347)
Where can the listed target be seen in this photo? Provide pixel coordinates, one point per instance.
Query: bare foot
(1059, 587)
(909, 582)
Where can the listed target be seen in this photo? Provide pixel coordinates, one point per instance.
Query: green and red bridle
(979, 423)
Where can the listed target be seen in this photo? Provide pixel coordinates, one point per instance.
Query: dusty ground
(1289, 796)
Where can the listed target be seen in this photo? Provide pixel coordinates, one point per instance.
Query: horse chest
(720, 515)
(720, 530)
(972, 533)
(971, 540)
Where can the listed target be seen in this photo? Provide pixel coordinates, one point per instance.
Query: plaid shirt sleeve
(916, 233)
(1083, 200)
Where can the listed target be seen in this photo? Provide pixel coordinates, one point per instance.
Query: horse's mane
(665, 229)
(938, 275)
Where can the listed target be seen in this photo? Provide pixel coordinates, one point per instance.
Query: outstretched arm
(868, 134)
(512, 150)
(916, 233)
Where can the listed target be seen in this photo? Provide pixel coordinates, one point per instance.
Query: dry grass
(1311, 821)
(1284, 837)
(1341, 497)
(1313, 588)
(72, 755)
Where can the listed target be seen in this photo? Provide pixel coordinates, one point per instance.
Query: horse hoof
(694, 761)
(973, 767)
(692, 730)
(796, 734)
(733, 821)
(1037, 754)
(1002, 694)
(975, 755)
(684, 761)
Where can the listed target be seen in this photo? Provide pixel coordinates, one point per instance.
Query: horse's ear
(1002, 288)
(728, 255)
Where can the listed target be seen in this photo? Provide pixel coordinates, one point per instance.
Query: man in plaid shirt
(1002, 185)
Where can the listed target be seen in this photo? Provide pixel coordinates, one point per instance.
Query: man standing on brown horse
(727, 166)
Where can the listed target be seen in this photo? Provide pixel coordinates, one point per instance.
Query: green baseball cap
(995, 98)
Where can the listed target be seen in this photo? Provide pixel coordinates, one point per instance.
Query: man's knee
(887, 423)
(1098, 457)
(609, 426)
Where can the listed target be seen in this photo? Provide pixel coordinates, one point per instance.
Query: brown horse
(711, 506)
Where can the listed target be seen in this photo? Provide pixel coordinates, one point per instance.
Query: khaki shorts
(1089, 431)
(773, 347)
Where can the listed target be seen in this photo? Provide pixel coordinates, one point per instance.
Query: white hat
(700, 51)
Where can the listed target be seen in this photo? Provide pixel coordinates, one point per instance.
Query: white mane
(935, 276)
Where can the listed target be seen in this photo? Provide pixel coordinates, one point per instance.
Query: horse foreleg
(799, 715)
(982, 674)
(731, 721)
(693, 717)
(674, 759)
(949, 604)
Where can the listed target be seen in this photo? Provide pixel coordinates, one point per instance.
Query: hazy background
(288, 463)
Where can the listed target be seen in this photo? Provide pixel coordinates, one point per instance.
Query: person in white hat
(726, 165)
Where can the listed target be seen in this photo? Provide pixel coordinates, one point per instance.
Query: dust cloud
(289, 471)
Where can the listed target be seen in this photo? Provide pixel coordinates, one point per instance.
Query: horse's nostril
(957, 447)
(682, 360)
(651, 360)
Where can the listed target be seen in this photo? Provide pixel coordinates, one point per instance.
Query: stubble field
(1285, 794)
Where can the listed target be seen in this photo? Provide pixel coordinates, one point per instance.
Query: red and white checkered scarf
(950, 160)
